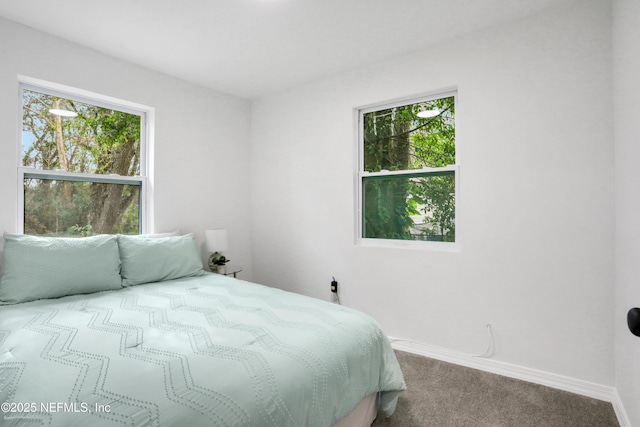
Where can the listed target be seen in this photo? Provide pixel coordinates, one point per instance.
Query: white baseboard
(573, 385)
(621, 414)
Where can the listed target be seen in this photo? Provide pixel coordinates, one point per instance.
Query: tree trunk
(109, 200)
(388, 148)
(62, 155)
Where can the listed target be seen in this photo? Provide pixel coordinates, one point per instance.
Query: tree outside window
(408, 171)
(81, 166)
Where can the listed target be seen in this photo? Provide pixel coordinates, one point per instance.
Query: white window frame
(361, 174)
(144, 180)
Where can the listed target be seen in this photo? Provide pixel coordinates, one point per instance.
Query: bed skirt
(363, 415)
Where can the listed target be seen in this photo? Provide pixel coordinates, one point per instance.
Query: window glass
(79, 208)
(81, 166)
(72, 136)
(400, 139)
(408, 171)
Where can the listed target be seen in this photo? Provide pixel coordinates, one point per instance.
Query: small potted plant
(217, 264)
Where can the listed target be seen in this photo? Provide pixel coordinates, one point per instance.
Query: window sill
(409, 244)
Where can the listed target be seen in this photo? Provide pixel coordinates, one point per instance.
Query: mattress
(208, 350)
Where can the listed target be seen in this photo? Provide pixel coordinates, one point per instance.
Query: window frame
(143, 180)
(360, 174)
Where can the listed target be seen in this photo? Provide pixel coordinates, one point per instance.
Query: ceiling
(251, 48)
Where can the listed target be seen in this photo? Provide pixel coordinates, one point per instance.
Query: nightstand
(233, 270)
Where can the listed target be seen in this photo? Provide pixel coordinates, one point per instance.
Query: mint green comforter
(201, 351)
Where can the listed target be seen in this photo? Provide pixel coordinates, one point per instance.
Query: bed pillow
(37, 267)
(156, 259)
(157, 235)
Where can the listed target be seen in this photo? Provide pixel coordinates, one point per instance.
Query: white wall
(534, 131)
(201, 136)
(536, 152)
(626, 73)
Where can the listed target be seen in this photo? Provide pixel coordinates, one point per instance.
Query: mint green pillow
(37, 267)
(148, 259)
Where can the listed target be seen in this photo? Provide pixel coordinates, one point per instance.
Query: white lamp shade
(216, 240)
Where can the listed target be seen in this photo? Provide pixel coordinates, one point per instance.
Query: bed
(200, 349)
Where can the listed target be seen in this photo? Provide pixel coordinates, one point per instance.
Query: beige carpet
(441, 394)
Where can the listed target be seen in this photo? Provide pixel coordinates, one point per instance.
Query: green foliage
(220, 260)
(421, 205)
(97, 141)
(82, 230)
(113, 130)
(386, 208)
(217, 260)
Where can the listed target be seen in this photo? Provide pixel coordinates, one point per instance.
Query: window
(408, 172)
(83, 164)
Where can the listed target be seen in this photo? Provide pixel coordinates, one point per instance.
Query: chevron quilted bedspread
(198, 351)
